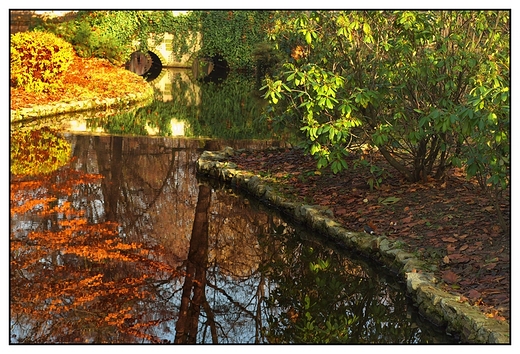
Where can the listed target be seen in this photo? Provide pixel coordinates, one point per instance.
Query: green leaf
(329, 104)
(308, 37)
(388, 200)
(366, 28)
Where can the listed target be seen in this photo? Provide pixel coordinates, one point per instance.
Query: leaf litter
(449, 223)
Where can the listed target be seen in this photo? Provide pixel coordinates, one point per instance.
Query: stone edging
(79, 106)
(442, 308)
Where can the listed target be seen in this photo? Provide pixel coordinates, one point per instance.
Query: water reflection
(125, 245)
(182, 106)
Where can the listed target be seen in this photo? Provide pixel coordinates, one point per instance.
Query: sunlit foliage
(38, 61)
(428, 89)
(38, 151)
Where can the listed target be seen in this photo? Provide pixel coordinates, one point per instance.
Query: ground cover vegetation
(406, 113)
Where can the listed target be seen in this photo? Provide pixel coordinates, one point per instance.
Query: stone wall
(19, 21)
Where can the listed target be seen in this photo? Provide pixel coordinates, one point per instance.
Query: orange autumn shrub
(38, 60)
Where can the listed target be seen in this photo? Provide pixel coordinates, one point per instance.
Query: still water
(115, 239)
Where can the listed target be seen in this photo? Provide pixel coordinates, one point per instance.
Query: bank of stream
(438, 306)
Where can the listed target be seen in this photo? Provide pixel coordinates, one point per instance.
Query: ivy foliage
(115, 34)
(232, 34)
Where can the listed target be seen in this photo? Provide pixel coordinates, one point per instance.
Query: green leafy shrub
(38, 59)
(101, 34)
(92, 42)
(399, 81)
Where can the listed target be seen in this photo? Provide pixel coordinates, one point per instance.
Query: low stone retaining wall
(442, 308)
(80, 106)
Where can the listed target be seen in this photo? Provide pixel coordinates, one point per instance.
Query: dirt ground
(449, 223)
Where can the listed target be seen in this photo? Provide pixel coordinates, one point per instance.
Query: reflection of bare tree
(113, 177)
(195, 280)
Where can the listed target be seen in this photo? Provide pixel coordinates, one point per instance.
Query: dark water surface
(127, 245)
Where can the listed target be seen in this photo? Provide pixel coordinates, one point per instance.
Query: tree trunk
(393, 162)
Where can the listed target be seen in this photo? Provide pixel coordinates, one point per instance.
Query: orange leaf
(474, 294)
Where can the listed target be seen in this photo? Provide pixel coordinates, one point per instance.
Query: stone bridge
(148, 64)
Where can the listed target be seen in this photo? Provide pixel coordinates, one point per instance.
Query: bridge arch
(209, 68)
(148, 65)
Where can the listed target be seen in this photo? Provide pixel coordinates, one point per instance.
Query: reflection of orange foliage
(38, 151)
(73, 275)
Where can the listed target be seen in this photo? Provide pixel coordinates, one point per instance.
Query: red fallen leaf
(466, 282)
(340, 211)
(459, 258)
(502, 297)
(450, 248)
(491, 265)
(449, 239)
(406, 220)
(449, 277)
(473, 294)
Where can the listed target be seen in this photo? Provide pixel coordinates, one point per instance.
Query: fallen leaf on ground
(449, 277)
(474, 294)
